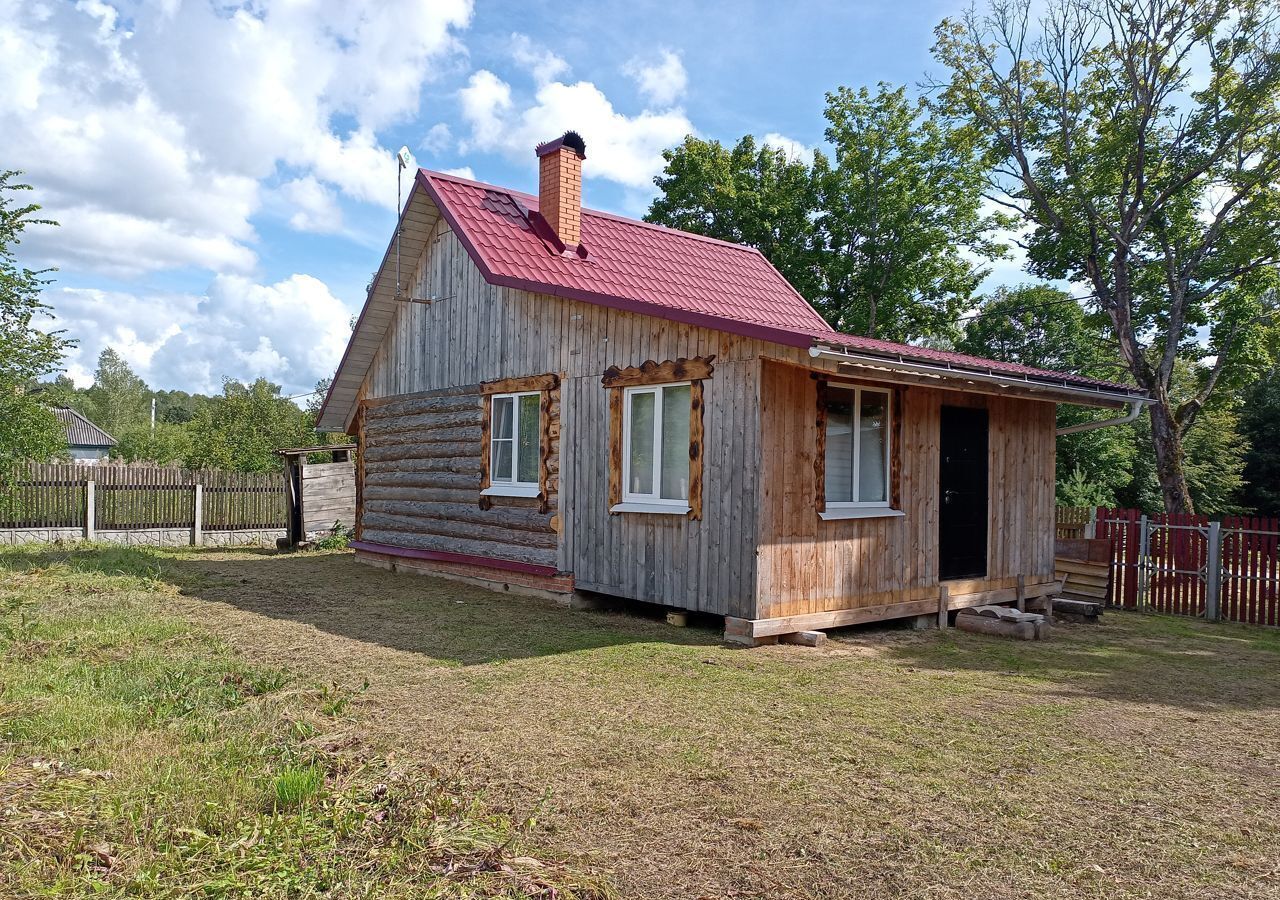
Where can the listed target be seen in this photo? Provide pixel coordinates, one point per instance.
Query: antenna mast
(402, 162)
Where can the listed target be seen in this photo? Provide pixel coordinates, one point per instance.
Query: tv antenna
(403, 158)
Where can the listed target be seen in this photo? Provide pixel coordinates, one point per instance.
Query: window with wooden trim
(655, 465)
(516, 442)
(656, 436)
(857, 451)
(514, 445)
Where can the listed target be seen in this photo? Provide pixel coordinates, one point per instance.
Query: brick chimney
(560, 186)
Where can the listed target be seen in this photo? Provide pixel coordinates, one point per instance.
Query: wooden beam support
(804, 638)
(1022, 593)
(862, 615)
(944, 606)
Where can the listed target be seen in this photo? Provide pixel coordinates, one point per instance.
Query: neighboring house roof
(628, 265)
(80, 431)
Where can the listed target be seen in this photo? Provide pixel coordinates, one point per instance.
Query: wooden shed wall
(328, 495)
(478, 332)
(806, 565)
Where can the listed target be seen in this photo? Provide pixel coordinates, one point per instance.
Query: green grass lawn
(244, 724)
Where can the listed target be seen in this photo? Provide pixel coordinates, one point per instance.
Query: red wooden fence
(1186, 565)
(1251, 570)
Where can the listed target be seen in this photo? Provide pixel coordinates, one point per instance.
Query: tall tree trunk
(1168, 446)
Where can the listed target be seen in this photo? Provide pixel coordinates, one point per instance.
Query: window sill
(510, 490)
(636, 506)
(859, 512)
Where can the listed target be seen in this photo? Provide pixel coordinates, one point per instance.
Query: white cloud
(543, 65)
(148, 132)
(437, 139)
(315, 206)
(621, 148)
(485, 100)
(793, 148)
(292, 332)
(661, 82)
(462, 172)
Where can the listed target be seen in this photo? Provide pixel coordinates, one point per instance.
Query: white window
(655, 441)
(514, 444)
(857, 452)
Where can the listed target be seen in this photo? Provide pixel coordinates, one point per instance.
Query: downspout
(1135, 410)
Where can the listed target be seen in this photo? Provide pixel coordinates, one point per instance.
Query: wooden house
(553, 399)
(87, 444)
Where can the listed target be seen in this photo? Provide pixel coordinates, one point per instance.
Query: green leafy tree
(1214, 454)
(244, 427)
(875, 236)
(898, 203)
(1140, 145)
(28, 430)
(750, 194)
(118, 401)
(164, 444)
(1043, 326)
(1260, 425)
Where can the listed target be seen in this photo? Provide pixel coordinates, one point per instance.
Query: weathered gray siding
(477, 332)
(328, 495)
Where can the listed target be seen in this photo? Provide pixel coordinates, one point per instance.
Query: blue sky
(223, 173)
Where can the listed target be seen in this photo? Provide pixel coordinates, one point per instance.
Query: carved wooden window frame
(896, 397)
(678, 371)
(543, 385)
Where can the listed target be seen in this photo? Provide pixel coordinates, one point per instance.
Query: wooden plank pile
(1003, 621)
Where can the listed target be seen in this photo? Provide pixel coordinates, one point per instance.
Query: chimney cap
(570, 139)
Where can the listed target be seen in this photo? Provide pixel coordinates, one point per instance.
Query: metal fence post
(197, 519)
(1144, 553)
(90, 510)
(1213, 577)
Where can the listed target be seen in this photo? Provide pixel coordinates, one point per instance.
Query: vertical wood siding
(808, 565)
(760, 437)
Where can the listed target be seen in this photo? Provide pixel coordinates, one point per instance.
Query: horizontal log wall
(422, 481)
(807, 565)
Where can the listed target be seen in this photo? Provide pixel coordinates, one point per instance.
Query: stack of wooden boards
(1004, 621)
(1084, 568)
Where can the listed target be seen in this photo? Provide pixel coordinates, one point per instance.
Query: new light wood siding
(806, 565)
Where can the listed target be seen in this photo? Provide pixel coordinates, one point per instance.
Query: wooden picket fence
(1187, 565)
(123, 497)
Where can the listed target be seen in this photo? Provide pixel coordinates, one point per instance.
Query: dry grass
(1133, 759)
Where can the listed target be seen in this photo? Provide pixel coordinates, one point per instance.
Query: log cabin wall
(422, 482)
(806, 565)
(476, 332)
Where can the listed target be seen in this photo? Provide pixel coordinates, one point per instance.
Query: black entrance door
(962, 522)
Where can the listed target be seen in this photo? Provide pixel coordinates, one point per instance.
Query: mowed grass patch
(141, 755)
(1135, 759)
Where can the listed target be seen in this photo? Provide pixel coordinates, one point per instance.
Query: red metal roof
(663, 272)
(629, 264)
